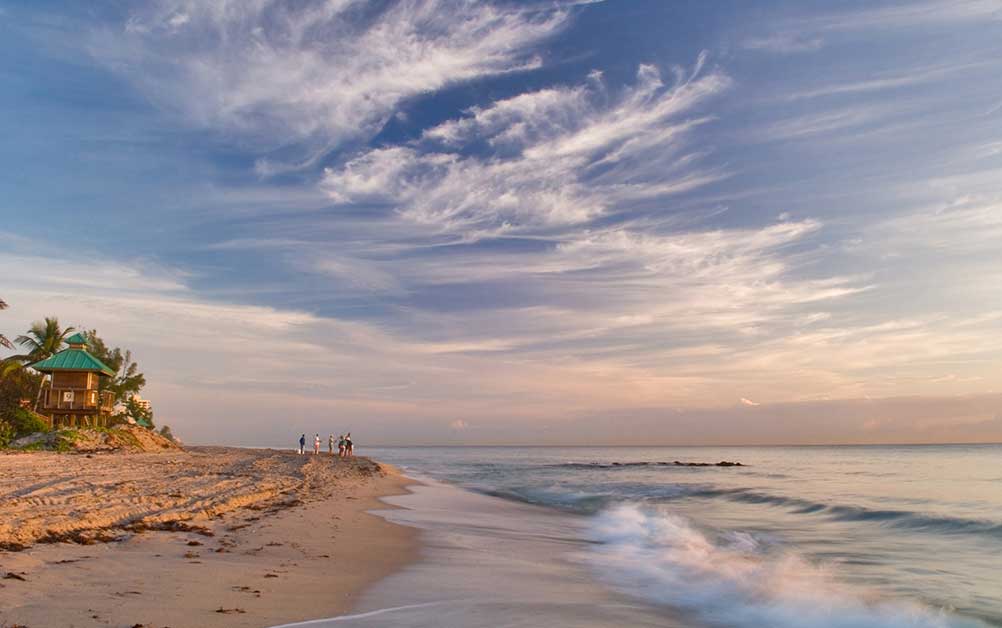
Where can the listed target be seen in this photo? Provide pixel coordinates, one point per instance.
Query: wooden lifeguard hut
(72, 397)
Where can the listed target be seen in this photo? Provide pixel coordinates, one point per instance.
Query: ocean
(806, 537)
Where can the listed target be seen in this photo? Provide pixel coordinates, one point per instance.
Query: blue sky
(438, 221)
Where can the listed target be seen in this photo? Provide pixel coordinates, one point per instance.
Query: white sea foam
(349, 618)
(734, 580)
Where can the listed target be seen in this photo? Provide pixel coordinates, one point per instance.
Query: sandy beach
(206, 537)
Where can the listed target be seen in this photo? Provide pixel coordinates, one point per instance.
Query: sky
(438, 221)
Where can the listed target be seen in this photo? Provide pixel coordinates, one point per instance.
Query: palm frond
(8, 366)
(44, 339)
(28, 342)
(4, 342)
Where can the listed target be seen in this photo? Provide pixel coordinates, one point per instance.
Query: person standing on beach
(316, 445)
(302, 444)
(330, 444)
(340, 446)
(349, 449)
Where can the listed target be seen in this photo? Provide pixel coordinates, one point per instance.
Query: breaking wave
(734, 580)
(593, 501)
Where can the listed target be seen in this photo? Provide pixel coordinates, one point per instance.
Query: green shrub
(7, 433)
(39, 446)
(64, 441)
(25, 422)
(16, 386)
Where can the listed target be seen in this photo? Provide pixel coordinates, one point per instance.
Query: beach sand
(201, 538)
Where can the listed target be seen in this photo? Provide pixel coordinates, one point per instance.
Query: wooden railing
(77, 399)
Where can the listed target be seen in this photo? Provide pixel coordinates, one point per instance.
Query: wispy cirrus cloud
(303, 78)
(784, 43)
(810, 33)
(453, 241)
(561, 157)
(909, 15)
(809, 125)
(965, 225)
(254, 359)
(585, 173)
(914, 76)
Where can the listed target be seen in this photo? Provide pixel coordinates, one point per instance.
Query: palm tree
(42, 341)
(3, 339)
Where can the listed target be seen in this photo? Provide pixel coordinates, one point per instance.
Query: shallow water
(800, 536)
(488, 563)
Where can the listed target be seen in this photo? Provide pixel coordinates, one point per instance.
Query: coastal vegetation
(43, 340)
(128, 380)
(4, 342)
(22, 387)
(16, 384)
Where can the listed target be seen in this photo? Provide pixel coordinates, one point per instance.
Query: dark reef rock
(677, 463)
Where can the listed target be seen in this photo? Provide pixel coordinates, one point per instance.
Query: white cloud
(784, 43)
(357, 273)
(788, 35)
(638, 304)
(313, 74)
(135, 276)
(178, 20)
(552, 253)
(861, 86)
(563, 157)
(914, 76)
(815, 317)
(967, 224)
(808, 125)
(911, 14)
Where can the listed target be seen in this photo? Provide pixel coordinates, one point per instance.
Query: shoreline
(489, 561)
(775, 541)
(248, 558)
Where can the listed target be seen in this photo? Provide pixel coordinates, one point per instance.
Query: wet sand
(488, 562)
(208, 537)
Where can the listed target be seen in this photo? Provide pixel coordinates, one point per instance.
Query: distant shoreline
(237, 537)
(668, 446)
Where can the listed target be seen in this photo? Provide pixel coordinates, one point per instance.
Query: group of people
(344, 445)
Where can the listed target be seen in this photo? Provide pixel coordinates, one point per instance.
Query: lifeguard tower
(72, 398)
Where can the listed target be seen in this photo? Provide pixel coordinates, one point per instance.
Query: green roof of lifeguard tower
(73, 359)
(77, 339)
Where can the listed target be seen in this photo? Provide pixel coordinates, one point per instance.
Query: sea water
(807, 537)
